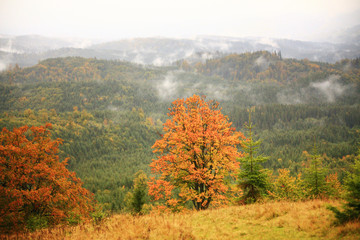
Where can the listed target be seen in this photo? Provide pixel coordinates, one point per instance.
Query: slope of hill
(110, 113)
(278, 220)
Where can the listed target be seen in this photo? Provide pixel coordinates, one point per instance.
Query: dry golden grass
(272, 220)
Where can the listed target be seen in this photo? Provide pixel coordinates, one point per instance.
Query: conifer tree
(352, 207)
(138, 197)
(253, 179)
(315, 175)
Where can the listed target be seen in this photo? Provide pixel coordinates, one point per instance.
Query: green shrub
(35, 222)
(73, 219)
(99, 215)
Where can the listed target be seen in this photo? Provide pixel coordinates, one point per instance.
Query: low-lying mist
(180, 84)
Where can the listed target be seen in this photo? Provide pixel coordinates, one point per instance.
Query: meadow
(270, 220)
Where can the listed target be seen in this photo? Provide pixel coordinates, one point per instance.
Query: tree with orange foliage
(34, 185)
(197, 152)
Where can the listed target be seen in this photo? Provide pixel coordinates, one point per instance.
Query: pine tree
(253, 179)
(315, 176)
(352, 207)
(138, 197)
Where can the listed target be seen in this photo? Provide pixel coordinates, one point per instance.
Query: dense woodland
(110, 113)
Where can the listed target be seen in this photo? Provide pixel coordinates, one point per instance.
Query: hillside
(110, 113)
(28, 50)
(278, 220)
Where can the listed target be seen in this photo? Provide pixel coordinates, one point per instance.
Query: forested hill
(266, 66)
(63, 83)
(110, 113)
(28, 50)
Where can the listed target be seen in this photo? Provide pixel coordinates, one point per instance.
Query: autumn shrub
(36, 189)
(286, 187)
(146, 209)
(334, 187)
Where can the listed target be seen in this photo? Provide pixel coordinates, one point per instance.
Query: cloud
(158, 61)
(289, 97)
(5, 61)
(206, 55)
(8, 48)
(139, 59)
(83, 44)
(262, 62)
(268, 41)
(2, 65)
(167, 88)
(189, 53)
(112, 108)
(217, 92)
(330, 88)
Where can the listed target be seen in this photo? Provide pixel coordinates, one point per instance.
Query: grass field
(272, 220)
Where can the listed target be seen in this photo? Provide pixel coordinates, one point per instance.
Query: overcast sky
(116, 19)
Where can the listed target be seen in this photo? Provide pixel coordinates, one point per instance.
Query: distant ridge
(30, 49)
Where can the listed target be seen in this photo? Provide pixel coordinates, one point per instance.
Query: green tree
(352, 207)
(253, 178)
(138, 196)
(315, 175)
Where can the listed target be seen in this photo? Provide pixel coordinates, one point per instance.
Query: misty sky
(317, 20)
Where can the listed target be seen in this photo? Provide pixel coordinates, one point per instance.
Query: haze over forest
(105, 74)
(160, 33)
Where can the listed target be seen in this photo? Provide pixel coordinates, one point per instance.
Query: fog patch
(217, 92)
(189, 53)
(330, 88)
(5, 61)
(289, 97)
(8, 48)
(262, 62)
(167, 88)
(206, 55)
(221, 45)
(3, 65)
(347, 67)
(83, 44)
(158, 62)
(112, 108)
(213, 44)
(7, 55)
(139, 59)
(268, 41)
